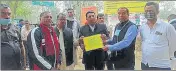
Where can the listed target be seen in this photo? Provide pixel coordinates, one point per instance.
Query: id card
(117, 32)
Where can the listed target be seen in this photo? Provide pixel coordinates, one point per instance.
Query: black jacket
(126, 55)
(38, 57)
(86, 31)
(11, 56)
(68, 43)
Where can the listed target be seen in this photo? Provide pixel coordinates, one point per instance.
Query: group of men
(44, 49)
(54, 48)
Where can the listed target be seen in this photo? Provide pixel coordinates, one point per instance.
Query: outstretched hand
(105, 48)
(104, 38)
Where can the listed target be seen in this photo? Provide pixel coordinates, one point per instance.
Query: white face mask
(150, 15)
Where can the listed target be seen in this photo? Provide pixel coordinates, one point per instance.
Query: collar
(91, 26)
(70, 18)
(124, 23)
(158, 21)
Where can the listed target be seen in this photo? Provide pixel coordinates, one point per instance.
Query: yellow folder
(93, 42)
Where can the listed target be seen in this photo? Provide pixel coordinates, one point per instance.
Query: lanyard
(116, 30)
(124, 25)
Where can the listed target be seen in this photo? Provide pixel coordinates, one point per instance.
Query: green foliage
(20, 9)
(77, 5)
(167, 8)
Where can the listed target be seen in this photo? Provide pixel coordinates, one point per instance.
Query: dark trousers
(146, 67)
(117, 65)
(94, 60)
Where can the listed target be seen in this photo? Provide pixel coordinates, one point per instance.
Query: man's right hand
(104, 38)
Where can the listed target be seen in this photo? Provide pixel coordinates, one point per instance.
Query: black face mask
(150, 15)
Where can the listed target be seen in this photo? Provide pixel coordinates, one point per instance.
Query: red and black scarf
(51, 40)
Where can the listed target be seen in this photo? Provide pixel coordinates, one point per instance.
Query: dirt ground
(138, 53)
(80, 66)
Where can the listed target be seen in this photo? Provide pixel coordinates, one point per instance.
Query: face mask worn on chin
(150, 15)
(5, 21)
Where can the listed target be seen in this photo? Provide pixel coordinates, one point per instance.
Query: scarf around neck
(51, 40)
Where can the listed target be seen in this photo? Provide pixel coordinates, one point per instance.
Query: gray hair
(60, 15)
(156, 5)
(44, 13)
(2, 6)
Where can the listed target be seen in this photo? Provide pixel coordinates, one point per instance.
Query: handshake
(104, 40)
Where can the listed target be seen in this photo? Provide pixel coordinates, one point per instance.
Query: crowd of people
(48, 47)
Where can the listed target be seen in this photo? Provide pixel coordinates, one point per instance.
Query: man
(25, 30)
(11, 56)
(21, 23)
(66, 43)
(172, 19)
(158, 40)
(100, 18)
(43, 45)
(122, 45)
(73, 24)
(93, 60)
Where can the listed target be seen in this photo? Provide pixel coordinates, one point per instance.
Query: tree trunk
(15, 9)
